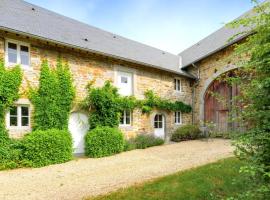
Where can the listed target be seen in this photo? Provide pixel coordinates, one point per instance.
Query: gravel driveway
(86, 177)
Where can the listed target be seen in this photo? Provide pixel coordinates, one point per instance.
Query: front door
(78, 126)
(159, 126)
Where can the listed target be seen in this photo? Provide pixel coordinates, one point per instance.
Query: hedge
(103, 141)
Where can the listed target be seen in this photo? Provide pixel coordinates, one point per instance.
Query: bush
(103, 141)
(41, 148)
(187, 132)
(143, 141)
(10, 154)
(130, 145)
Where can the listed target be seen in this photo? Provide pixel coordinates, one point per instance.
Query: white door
(124, 83)
(159, 125)
(78, 126)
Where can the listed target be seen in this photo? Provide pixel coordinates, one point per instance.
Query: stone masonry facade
(207, 70)
(86, 67)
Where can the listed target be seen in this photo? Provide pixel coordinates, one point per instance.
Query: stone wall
(210, 68)
(88, 66)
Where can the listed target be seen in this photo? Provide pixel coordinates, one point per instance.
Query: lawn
(209, 182)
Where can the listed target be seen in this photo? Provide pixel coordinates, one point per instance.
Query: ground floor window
(125, 118)
(158, 121)
(18, 117)
(178, 117)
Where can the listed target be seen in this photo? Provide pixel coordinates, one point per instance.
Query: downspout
(194, 90)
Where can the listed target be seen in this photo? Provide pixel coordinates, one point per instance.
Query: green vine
(53, 98)
(10, 81)
(105, 104)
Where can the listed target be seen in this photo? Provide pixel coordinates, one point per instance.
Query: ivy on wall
(10, 81)
(53, 98)
(105, 105)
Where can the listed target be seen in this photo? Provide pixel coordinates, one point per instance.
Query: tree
(254, 144)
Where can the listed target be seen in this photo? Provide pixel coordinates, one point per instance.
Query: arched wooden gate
(218, 103)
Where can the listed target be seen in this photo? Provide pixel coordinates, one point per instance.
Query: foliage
(152, 101)
(105, 104)
(130, 145)
(104, 141)
(186, 132)
(53, 98)
(10, 154)
(254, 144)
(208, 182)
(41, 148)
(143, 141)
(10, 81)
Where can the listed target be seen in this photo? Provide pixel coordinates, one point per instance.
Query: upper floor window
(125, 83)
(177, 84)
(17, 53)
(178, 117)
(18, 117)
(125, 118)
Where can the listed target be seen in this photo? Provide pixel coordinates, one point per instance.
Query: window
(17, 53)
(178, 117)
(177, 85)
(125, 83)
(18, 117)
(158, 121)
(125, 118)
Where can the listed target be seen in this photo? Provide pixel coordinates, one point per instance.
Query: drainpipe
(193, 91)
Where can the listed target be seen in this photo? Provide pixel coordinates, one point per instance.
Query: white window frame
(178, 84)
(19, 118)
(19, 44)
(125, 118)
(119, 73)
(178, 119)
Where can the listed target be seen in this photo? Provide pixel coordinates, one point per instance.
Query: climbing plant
(53, 98)
(105, 104)
(10, 81)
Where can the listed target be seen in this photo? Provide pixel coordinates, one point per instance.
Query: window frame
(178, 85)
(178, 119)
(18, 51)
(19, 118)
(125, 118)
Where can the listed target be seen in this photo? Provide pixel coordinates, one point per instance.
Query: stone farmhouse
(30, 34)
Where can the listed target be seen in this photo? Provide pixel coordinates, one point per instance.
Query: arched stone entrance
(216, 101)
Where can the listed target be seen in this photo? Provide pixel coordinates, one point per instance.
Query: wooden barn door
(218, 104)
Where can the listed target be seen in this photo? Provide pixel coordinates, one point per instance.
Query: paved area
(86, 177)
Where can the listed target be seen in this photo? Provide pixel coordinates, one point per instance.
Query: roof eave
(93, 51)
(217, 50)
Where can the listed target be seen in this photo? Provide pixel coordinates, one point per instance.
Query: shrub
(103, 141)
(10, 154)
(187, 132)
(143, 141)
(129, 145)
(41, 148)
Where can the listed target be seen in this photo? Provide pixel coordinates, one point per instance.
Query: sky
(170, 25)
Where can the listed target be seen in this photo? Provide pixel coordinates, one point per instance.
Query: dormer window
(17, 53)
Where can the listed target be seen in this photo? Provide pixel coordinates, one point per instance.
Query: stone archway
(210, 108)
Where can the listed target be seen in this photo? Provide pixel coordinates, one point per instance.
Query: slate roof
(214, 43)
(25, 18)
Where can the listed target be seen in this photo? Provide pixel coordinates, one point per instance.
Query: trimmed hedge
(41, 148)
(186, 132)
(10, 154)
(103, 141)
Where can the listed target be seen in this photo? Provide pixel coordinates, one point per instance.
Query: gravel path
(86, 177)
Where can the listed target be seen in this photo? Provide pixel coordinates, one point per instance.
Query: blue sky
(170, 25)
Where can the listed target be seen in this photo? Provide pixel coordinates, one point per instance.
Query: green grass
(209, 182)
